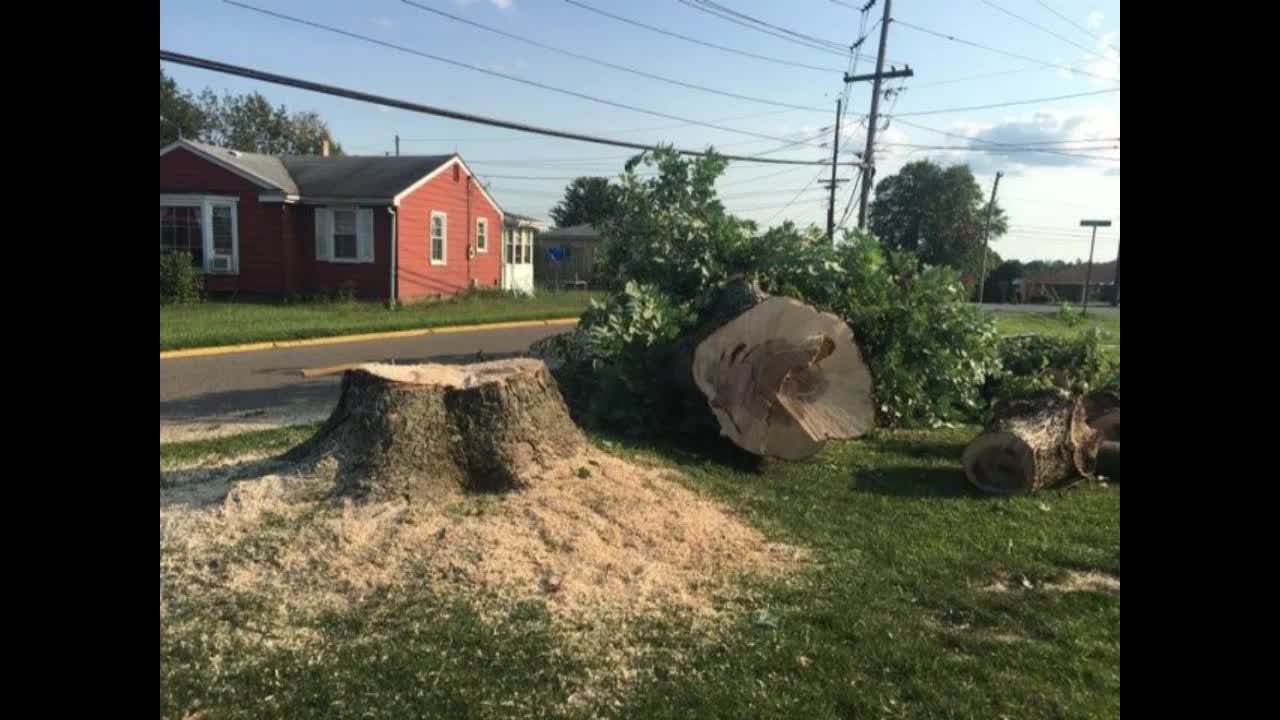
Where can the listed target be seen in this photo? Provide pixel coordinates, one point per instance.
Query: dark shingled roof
(359, 176)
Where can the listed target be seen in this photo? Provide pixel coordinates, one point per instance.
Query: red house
(384, 227)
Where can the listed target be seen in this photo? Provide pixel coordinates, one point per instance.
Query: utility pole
(1088, 273)
(1115, 301)
(986, 236)
(868, 158)
(835, 159)
(397, 146)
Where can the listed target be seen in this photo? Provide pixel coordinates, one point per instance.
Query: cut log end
(783, 378)
(419, 431)
(1000, 463)
(1033, 443)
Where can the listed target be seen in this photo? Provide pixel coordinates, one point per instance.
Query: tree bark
(1031, 444)
(419, 431)
(779, 377)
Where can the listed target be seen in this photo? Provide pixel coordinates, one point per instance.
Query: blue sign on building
(555, 253)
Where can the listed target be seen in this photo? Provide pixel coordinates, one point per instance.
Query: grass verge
(924, 600)
(229, 323)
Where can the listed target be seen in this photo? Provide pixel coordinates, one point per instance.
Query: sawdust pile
(598, 539)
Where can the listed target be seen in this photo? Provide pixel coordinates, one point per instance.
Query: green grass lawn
(1023, 323)
(893, 618)
(226, 323)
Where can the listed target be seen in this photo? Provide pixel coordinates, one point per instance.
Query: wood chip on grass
(603, 553)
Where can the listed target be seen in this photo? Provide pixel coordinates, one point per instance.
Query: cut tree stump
(419, 431)
(1032, 443)
(780, 377)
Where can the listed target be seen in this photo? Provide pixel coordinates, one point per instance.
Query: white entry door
(517, 260)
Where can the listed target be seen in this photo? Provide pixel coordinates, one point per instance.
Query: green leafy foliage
(930, 351)
(586, 200)
(242, 122)
(180, 279)
(1032, 363)
(1069, 317)
(622, 355)
(937, 212)
(671, 245)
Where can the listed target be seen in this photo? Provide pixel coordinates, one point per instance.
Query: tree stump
(1031, 444)
(780, 377)
(419, 431)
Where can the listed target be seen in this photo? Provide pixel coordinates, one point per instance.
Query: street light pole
(1088, 275)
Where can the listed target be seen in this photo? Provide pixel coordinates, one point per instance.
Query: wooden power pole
(835, 160)
(868, 157)
(397, 146)
(986, 237)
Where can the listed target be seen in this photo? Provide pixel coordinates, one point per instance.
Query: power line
(970, 43)
(748, 116)
(744, 181)
(216, 66)
(696, 41)
(1032, 101)
(1081, 28)
(615, 66)
(908, 123)
(1042, 28)
(513, 78)
(747, 21)
(794, 199)
(997, 150)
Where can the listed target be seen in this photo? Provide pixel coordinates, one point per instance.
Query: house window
(345, 246)
(519, 259)
(511, 252)
(180, 232)
(482, 235)
(204, 226)
(528, 247)
(439, 235)
(344, 234)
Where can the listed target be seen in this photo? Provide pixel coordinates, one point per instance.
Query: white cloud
(381, 22)
(1095, 19)
(383, 108)
(1044, 132)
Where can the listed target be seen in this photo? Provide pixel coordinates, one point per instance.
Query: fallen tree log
(779, 377)
(419, 431)
(1032, 443)
(1109, 460)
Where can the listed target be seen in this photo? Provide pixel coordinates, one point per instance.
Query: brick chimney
(324, 148)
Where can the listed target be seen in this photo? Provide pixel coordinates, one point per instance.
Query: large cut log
(419, 431)
(780, 377)
(1032, 443)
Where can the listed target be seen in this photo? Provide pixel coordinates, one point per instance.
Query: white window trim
(444, 240)
(482, 222)
(333, 235)
(206, 203)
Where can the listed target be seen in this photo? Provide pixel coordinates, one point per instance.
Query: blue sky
(1045, 193)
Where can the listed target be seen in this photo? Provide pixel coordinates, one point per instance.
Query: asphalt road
(221, 394)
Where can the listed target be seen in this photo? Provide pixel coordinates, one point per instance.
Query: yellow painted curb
(249, 347)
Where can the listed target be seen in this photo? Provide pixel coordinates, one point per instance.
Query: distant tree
(1036, 267)
(588, 200)
(998, 282)
(250, 123)
(180, 115)
(241, 122)
(938, 213)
